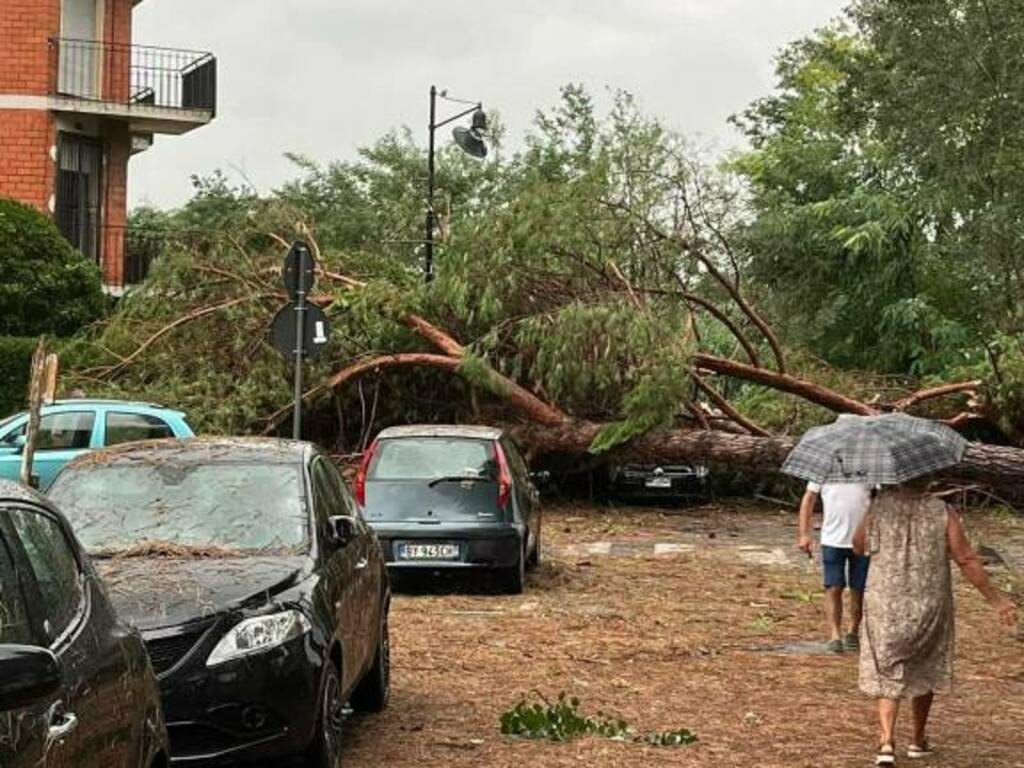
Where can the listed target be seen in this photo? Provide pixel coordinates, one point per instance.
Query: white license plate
(428, 552)
(659, 482)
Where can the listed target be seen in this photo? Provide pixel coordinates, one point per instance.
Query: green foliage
(885, 181)
(48, 287)
(561, 721)
(1004, 389)
(15, 365)
(542, 275)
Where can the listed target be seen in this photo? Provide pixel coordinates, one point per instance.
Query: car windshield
(155, 507)
(430, 458)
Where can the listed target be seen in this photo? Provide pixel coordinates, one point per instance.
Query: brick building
(77, 99)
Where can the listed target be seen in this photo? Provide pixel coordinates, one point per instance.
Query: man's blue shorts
(836, 561)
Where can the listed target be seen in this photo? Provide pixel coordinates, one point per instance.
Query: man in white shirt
(844, 505)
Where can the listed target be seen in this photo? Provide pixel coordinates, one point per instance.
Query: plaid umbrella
(879, 450)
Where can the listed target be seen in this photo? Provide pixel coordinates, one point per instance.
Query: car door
(340, 573)
(10, 448)
(25, 730)
(369, 566)
(97, 713)
(527, 495)
(127, 427)
(63, 436)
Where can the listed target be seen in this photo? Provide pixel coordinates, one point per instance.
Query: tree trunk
(998, 467)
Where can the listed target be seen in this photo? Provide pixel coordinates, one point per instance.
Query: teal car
(69, 428)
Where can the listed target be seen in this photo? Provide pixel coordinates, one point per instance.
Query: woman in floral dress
(908, 628)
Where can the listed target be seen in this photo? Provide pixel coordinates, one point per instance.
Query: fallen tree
(592, 300)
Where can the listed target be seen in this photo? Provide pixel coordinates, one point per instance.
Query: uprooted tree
(594, 291)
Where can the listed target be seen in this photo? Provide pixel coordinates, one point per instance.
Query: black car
(261, 593)
(452, 497)
(76, 686)
(666, 482)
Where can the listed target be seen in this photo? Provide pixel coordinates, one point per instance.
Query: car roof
(97, 403)
(11, 491)
(265, 450)
(477, 432)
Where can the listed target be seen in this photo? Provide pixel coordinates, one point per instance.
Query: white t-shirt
(845, 505)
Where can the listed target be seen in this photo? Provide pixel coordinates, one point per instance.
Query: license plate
(428, 552)
(659, 482)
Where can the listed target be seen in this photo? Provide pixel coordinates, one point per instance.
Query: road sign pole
(300, 340)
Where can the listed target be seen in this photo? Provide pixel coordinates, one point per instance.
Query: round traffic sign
(316, 331)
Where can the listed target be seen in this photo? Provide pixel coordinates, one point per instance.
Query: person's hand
(1006, 610)
(805, 545)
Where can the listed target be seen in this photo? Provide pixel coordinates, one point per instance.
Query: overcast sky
(323, 77)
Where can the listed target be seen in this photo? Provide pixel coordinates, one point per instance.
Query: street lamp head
(471, 141)
(479, 120)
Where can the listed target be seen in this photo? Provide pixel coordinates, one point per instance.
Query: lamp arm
(453, 118)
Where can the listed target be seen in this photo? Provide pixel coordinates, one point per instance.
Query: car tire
(373, 691)
(325, 751)
(515, 577)
(534, 560)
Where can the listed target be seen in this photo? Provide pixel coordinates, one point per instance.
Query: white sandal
(886, 755)
(920, 751)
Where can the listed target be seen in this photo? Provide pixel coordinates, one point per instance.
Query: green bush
(15, 362)
(48, 287)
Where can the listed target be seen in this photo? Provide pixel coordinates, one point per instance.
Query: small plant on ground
(562, 721)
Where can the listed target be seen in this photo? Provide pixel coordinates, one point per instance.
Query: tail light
(504, 478)
(364, 469)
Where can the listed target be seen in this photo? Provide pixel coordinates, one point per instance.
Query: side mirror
(543, 477)
(341, 531)
(28, 675)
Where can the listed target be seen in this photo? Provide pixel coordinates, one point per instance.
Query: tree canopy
(866, 244)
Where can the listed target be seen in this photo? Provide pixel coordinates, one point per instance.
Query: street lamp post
(469, 139)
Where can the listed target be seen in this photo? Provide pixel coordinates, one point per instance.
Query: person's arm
(803, 535)
(963, 553)
(860, 536)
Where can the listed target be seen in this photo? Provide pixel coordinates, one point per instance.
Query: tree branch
(783, 382)
(933, 392)
(727, 408)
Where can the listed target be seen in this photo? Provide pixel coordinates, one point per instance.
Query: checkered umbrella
(879, 450)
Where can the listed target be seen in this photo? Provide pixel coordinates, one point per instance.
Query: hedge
(48, 287)
(15, 361)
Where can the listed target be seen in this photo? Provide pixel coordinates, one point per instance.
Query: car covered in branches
(76, 684)
(69, 428)
(261, 593)
(452, 498)
(658, 482)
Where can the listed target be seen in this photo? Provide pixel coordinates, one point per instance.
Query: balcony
(157, 90)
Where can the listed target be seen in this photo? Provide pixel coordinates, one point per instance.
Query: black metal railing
(141, 249)
(134, 75)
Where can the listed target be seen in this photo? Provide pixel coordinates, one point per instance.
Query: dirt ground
(674, 620)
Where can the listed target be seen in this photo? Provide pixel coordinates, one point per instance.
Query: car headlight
(260, 633)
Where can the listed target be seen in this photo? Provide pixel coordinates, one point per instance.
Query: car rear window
(427, 458)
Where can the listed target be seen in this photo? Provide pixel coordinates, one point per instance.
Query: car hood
(154, 592)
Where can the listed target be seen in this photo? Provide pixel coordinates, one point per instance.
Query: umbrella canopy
(879, 450)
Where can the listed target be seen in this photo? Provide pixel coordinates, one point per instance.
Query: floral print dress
(907, 631)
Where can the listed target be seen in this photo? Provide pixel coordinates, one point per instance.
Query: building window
(79, 172)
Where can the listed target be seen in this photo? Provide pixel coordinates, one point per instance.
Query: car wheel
(515, 577)
(371, 695)
(325, 751)
(534, 559)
